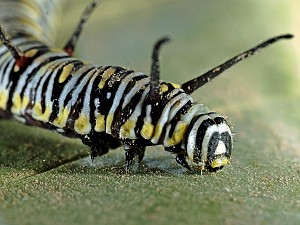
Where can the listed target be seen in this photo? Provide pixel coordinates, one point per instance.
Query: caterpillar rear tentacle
(70, 46)
(154, 74)
(110, 106)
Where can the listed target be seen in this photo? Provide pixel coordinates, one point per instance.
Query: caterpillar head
(209, 141)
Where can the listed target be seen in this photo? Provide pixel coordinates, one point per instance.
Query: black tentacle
(15, 51)
(70, 46)
(154, 75)
(192, 85)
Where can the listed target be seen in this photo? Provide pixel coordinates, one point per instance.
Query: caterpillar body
(105, 106)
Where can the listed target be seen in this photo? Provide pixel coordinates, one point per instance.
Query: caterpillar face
(209, 141)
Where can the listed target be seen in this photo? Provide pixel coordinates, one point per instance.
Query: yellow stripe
(65, 72)
(175, 85)
(25, 102)
(164, 88)
(16, 104)
(178, 134)
(126, 129)
(100, 123)
(218, 162)
(3, 99)
(31, 53)
(106, 75)
(82, 124)
(147, 130)
(38, 114)
(62, 117)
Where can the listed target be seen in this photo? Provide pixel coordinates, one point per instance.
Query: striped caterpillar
(106, 106)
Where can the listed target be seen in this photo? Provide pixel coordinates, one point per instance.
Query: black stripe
(57, 92)
(227, 140)
(14, 77)
(105, 103)
(121, 116)
(70, 93)
(95, 93)
(35, 71)
(199, 138)
(117, 113)
(212, 145)
(220, 120)
(177, 116)
(190, 127)
(157, 109)
(140, 119)
(77, 108)
(58, 87)
(43, 93)
(45, 87)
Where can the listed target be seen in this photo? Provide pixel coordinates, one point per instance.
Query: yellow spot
(62, 117)
(127, 128)
(16, 68)
(39, 115)
(100, 123)
(82, 124)
(179, 131)
(16, 104)
(178, 134)
(147, 130)
(28, 54)
(164, 88)
(3, 99)
(47, 113)
(25, 102)
(105, 76)
(218, 162)
(31, 53)
(65, 73)
(37, 110)
(176, 85)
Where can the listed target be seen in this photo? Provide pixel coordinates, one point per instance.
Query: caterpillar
(106, 106)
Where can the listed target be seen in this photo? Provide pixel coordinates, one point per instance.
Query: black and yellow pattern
(105, 106)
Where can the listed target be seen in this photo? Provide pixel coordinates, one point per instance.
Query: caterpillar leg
(98, 145)
(141, 154)
(130, 153)
(97, 150)
(180, 158)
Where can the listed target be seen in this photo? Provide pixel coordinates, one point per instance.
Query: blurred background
(203, 34)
